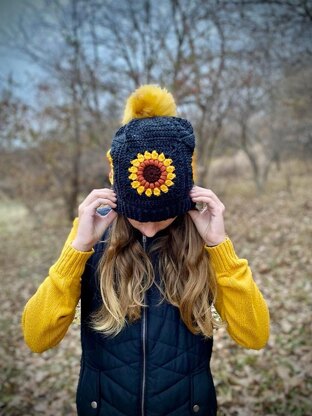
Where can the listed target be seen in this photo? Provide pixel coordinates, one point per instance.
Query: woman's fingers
(97, 203)
(197, 191)
(105, 193)
(98, 193)
(92, 225)
(208, 197)
(109, 217)
(208, 221)
(211, 204)
(102, 222)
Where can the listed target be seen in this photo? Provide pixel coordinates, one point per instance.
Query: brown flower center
(151, 173)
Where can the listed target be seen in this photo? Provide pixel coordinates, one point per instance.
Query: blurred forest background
(240, 71)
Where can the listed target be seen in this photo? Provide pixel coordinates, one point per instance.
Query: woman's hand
(209, 221)
(91, 224)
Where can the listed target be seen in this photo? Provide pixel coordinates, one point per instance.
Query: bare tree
(69, 70)
(222, 59)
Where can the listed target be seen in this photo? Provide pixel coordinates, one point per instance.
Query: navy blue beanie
(152, 168)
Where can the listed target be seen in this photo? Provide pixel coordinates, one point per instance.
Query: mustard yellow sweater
(49, 312)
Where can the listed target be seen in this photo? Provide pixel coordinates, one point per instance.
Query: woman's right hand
(92, 224)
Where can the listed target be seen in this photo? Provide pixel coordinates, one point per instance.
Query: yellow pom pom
(149, 101)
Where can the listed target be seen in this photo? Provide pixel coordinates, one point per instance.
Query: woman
(148, 268)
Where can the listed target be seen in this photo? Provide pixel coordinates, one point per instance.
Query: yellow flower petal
(109, 157)
(140, 157)
(148, 192)
(154, 155)
(133, 176)
(167, 162)
(156, 191)
(164, 188)
(135, 184)
(111, 172)
(168, 182)
(133, 169)
(147, 155)
(140, 190)
(111, 177)
(135, 162)
(161, 157)
(171, 176)
(170, 168)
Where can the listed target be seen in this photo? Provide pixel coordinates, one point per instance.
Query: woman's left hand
(209, 221)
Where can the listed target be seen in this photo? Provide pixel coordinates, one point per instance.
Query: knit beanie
(151, 158)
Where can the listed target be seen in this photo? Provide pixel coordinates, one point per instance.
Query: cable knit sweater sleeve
(239, 302)
(49, 312)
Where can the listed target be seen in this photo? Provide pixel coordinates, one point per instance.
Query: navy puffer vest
(154, 367)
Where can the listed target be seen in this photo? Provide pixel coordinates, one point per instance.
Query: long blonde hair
(126, 273)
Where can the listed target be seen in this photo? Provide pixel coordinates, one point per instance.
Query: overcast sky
(11, 61)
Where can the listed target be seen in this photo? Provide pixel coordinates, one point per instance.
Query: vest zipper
(143, 342)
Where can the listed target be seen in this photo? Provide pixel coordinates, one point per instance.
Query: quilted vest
(154, 367)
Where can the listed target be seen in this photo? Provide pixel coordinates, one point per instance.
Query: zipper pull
(144, 242)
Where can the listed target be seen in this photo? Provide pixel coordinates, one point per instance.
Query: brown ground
(273, 231)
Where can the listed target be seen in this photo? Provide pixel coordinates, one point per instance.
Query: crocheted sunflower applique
(151, 173)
